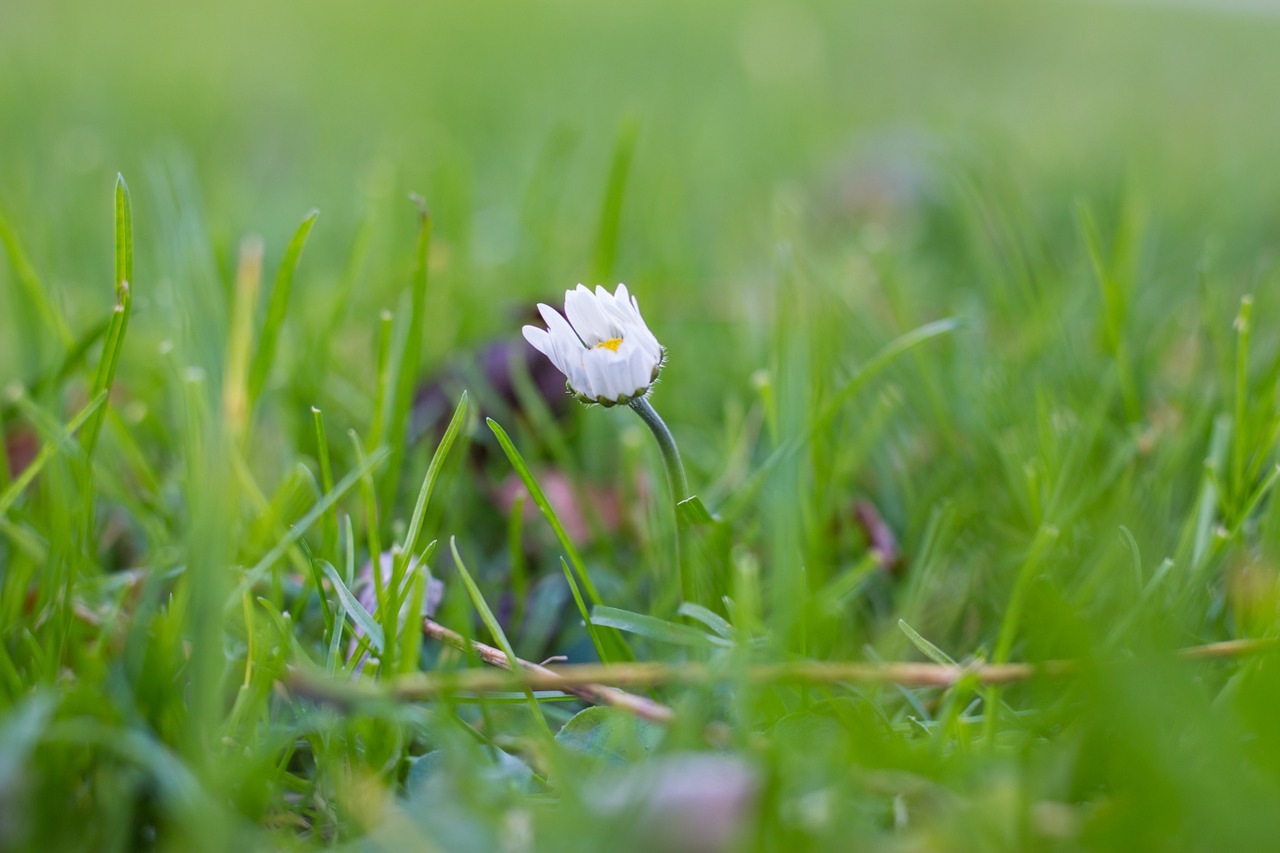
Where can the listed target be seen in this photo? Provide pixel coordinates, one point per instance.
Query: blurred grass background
(803, 183)
(505, 120)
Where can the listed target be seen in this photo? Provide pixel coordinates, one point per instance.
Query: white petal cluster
(604, 349)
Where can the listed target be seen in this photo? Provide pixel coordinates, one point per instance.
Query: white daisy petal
(589, 320)
(577, 379)
(616, 315)
(595, 365)
(557, 325)
(646, 341)
(619, 303)
(639, 368)
(601, 344)
(568, 358)
(539, 339)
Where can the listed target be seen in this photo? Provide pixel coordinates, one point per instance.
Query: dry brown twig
(596, 694)
(907, 673)
(600, 684)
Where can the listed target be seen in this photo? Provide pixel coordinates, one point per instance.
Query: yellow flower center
(611, 344)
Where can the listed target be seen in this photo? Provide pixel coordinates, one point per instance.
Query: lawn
(968, 316)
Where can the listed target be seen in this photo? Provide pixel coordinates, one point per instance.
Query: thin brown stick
(588, 691)
(585, 680)
(1230, 648)
(571, 679)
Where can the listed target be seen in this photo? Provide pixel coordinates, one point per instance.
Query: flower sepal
(602, 402)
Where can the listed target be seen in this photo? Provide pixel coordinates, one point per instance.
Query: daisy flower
(604, 348)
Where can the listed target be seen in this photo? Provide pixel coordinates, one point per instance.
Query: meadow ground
(969, 315)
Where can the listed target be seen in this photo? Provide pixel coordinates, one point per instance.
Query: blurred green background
(1087, 187)
(275, 109)
(844, 119)
(753, 126)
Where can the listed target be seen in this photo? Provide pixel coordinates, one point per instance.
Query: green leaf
(610, 735)
(711, 619)
(507, 769)
(927, 648)
(363, 619)
(653, 627)
(692, 511)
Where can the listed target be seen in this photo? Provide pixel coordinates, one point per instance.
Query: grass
(970, 314)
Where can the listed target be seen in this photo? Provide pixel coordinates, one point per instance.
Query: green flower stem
(667, 444)
(679, 487)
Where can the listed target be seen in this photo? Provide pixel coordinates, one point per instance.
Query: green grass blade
(326, 480)
(124, 238)
(239, 344)
(119, 323)
(515, 553)
(72, 361)
(1240, 432)
(1209, 502)
(370, 497)
(6, 475)
(544, 506)
(611, 203)
(482, 608)
(277, 306)
(316, 576)
(601, 652)
(887, 355)
(1045, 539)
(845, 584)
(382, 384)
(33, 287)
(361, 617)
(410, 646)
(259, 569)
(433, 474)
(491, 622)
(710, 618)
(105, 373)
(927, 648)
(1135, 555)
(47, 452)
(348, 550)
(404, 557)
(410, 355)
(25, 540)
(653, 627)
